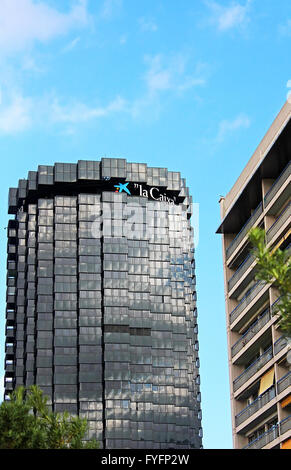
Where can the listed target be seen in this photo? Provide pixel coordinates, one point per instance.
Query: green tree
(274, 266)
(18, 426)
(26, 422)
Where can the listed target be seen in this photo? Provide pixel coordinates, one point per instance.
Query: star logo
(122, 187)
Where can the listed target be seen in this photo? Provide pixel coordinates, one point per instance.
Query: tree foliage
(274, 266)
(26, 422)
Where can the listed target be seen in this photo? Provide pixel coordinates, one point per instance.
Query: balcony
(257, 404)
(280, 344)
(263, 319)
(246, 300)
(244, 231)
(277, 184)
(279, 222)
(252, 369)
(273, 433)
(285, 425)
(284, 383)
(264, 439)
(263, 399)
(240, 271)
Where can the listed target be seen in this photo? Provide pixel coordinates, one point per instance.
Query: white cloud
(22, 22)
(79, 112)
(71, 45)
(123, 39)
(109, 8)
(19, 112)
(147, 25)
(15, 114)
(190, 82)
(227, 127)
(165, 75)
(29, 65)
(285, 29)
(228, 17)
(170, 74)
(157, 77)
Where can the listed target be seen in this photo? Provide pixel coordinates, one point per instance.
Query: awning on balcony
(286, 444)
(286, 402)
(282, 240)
(266, 381)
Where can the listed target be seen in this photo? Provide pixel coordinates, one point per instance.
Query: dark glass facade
(101, 300)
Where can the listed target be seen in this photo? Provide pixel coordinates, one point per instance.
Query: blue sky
(192, 85)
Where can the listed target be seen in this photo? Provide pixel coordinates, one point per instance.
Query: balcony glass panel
(253, 368)
(280, 344)
(239, 237)
(251, 332)
(285, 425)
(284, 382)
(240, 271)
(283, 217)
(277, 184)
(264, 439)
(262, 400)
(246, 300)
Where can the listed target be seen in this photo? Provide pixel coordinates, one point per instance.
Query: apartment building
(258, 353)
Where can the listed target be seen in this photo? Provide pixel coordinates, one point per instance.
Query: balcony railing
(284, 383)
(240, 271)
(277, 184)
(280, 344)
(252, 369)
(279, 222)
(246, 300)
(272, 434)
(265, 438)
(257, 404)
(239, 237)
(263, 399)
(285, 425)
(252, 331)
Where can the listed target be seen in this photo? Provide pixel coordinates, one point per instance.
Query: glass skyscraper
(101, 300)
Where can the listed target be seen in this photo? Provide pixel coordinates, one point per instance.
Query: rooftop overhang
(248, 198)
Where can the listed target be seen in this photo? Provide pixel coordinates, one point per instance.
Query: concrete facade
(258, 352)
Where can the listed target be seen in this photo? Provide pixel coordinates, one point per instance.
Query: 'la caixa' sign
(150, 192)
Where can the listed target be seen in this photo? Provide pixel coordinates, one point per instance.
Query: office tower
(101, 300)
(259, 353)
